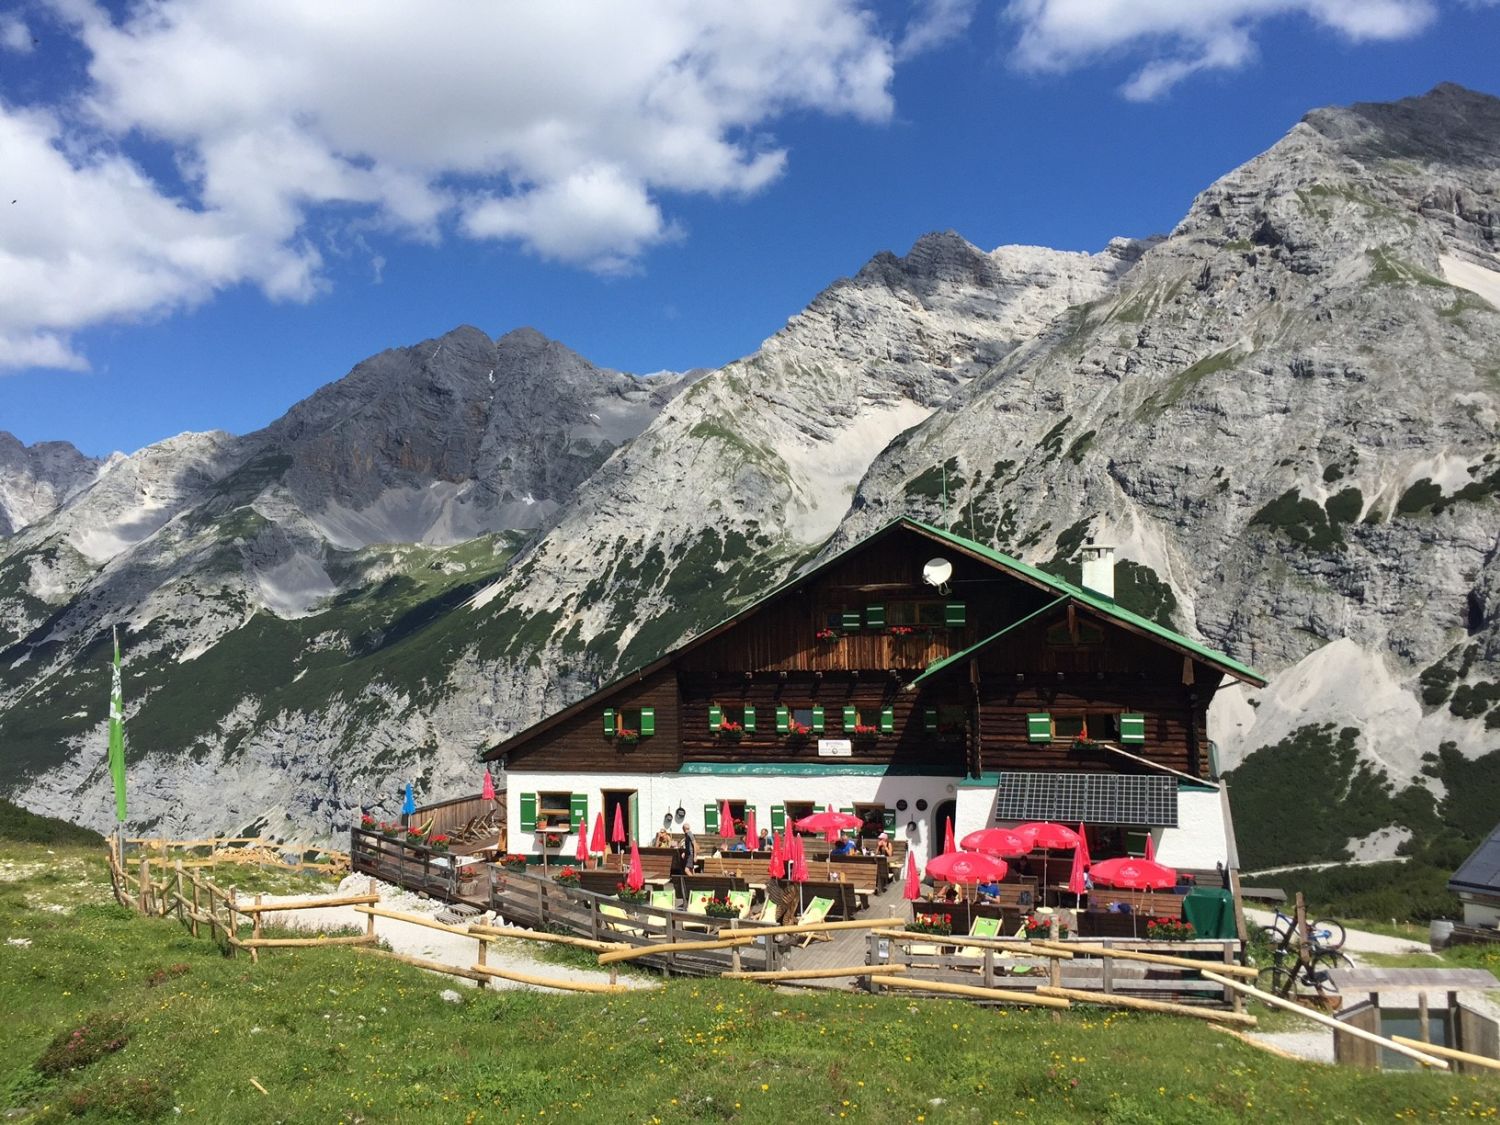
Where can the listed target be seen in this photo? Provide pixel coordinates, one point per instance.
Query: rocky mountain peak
(35, 479)
(1449, 124)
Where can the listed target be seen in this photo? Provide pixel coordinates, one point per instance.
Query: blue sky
(218, 213)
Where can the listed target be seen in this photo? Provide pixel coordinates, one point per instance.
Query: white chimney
(1099, 569)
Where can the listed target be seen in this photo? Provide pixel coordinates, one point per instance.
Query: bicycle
(1323, 933)
(1303, 979)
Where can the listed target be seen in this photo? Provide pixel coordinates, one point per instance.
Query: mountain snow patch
(1476, 279)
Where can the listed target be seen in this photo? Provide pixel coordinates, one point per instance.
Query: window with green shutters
(849, 619)
(783, 719)
(1039, 727)
(1133, 728)
(711, 820)
(887, 720)
(851, 719)
(875, 616)
(955, 615)
(555, 811)
(609, 722)
(729, 721)
(630, 724)
(579, 810)
(778, 818)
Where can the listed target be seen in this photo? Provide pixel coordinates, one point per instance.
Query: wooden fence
(403, 861)
(258, 850)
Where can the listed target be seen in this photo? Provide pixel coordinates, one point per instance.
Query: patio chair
(981, 927)
(615, 912)
(741, 901)
(697, 903)
(815, 912)
(664, 899)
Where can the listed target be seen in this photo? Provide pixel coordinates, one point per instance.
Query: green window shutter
(749, 719)
(715, 717)
(528, 812)
(887, 720)
(711, 819)
(1039, 727)
(849, 810)
(817, 723)
(851, 718)
(930, 719)
(783, 719)
(609, 722)
(875, 616)
(820, 808)
(955, 615)
(578, 810)
(849, 619)
(648, 721)
(1133, 728)
(890, 822)
(778, 818)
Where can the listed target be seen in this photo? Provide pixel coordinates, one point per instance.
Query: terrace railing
(401, 860)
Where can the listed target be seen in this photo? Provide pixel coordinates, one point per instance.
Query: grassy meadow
(111, 1017)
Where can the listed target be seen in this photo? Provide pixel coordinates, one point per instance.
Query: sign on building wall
(835, 748)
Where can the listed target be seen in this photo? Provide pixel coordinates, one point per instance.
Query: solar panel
(1094, 798)
(1481, 871)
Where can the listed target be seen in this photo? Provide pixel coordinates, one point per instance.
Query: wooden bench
(741, 865)
(657, 864)
(862, 876)
(1147, 904)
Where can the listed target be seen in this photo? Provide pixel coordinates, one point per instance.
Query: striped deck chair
(815, 912)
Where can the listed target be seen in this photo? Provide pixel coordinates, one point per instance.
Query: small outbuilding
(1477, 883)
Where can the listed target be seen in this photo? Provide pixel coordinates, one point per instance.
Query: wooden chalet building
(915, 676)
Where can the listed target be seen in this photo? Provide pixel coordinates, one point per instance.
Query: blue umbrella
(409, 805)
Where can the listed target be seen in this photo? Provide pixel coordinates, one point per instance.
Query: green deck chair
(741, 901)
(664, 899)
(816, 911)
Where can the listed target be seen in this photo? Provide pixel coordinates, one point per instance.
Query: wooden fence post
(232, 929)
(370, 920)
(145, 887)
(1054, 978)
(255, 933)
(483, 958)
(177, 901)
(196, 910)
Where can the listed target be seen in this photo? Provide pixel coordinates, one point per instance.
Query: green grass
(333, 1036)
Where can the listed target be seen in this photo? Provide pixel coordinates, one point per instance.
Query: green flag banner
(117, 734)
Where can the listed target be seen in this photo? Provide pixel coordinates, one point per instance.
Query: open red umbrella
(830, 821)
(1045, 834)
(1080, 865)
(966, 867)
(488, 791)
(996, 841)
(948, 844)
(1131, 874)
(583, 844)
(617, 833)
(635, 878)
(913, 888)
(598, 843)
(726, 819)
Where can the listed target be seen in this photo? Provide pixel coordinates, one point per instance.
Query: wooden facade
(862, 632)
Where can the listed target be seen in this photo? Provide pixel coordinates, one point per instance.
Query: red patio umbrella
(617, 833)
(750, 840)
(830, 821)
(635, 878)
(726, 819)
(948, 844)
(1045, 834)
(913, 888)
(799, 862)
(583, 845)
(488, 791)
(1080, 865)
(1150, 848)
(1131, 874)
(966, 867)
(996, 841)
(598, 844)
(777, 867)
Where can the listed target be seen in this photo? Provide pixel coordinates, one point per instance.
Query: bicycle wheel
(1326, 933)
(1319, 977)
(1273, 936)
(1278, 980)
(1333, 959)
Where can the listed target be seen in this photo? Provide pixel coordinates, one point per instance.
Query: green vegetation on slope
(332, 1036)
(23, 826)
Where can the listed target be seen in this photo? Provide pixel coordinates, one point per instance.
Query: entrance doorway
(628, 806)
(942, 813)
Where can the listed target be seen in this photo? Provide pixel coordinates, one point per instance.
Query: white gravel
(434, 945)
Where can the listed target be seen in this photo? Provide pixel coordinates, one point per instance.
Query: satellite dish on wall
(936, 572)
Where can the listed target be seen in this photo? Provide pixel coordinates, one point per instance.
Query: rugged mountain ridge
(35, 479)
(1283, 413)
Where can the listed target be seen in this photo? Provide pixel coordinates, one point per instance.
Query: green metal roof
(1097, 602)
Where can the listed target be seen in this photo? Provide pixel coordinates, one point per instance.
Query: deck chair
(697, 903)
(741, 901)
(665, 899)
(615, 912)
(815, 912)
(981, 927)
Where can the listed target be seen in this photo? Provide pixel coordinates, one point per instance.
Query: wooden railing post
(872, 958)
(145, 885)
(481, 960)
(255, 933)
(232, 928)
(370, 920)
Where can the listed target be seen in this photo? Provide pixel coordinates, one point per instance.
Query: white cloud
(14, 34)
(935, 24)
(561, 126)
(1182, 37)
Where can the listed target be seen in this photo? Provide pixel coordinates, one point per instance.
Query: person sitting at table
(951, 893)
(883, 845)
(663, 839)
(764, 843)
(844, 847)
(738, 845)
(990, 890)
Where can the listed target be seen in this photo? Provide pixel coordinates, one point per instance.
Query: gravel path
(1356, 941)
(434, 945)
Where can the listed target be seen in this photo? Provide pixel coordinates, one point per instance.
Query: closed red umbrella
(750, 840)
(948, 844)
(1150, 848)
(726, 819)
(777, 867)
(617, 833)
(598, 843)
(799, 862)
(996, 841)
(635, 878)
(488, 791)
(966, 867)
(583, 844)
(913, 888)
(1081, 861)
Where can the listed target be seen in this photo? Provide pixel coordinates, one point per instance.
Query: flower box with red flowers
(367, 822)
(720, 907)
(416, 835)
(1169, 929)
(513, 862)
(900, 630)
(627, 737)
(731, 731)
(1039, 926)
(827, 634)
(940, 924)
(796, 731)
(863, 731)
(567, 877)
(625, 894)
(438, 843)
(390, 829)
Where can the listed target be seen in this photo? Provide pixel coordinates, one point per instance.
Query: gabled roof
(1481, 871)
(1061, 589)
